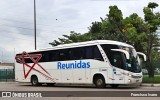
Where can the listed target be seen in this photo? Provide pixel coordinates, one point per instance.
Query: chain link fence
(7, 74)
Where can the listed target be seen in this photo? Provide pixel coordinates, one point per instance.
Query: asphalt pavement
(81, 92)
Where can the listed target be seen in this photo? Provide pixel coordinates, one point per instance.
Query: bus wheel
(34, 81)
(114, 85)
(99, 82)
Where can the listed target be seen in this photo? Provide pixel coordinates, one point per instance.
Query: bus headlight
(130, 75)
(129, 81)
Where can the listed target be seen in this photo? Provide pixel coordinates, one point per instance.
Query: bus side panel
(50, 74)
(71, 75)
(21, 73)
(79, 75)
(88, 76)
(100, 67)
(67, 76)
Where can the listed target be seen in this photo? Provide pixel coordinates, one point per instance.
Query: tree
(152, 22)
(72, 38)
(95, 31)
(112, 25)
(134, 30)
(152, 5)
(67, 39)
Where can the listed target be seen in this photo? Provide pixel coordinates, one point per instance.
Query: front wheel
(99, 82)
(34, 81)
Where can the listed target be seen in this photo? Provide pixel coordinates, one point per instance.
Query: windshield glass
(132, 64)
(118, 59)
(115, 58)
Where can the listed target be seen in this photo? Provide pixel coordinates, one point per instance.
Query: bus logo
(35, 58)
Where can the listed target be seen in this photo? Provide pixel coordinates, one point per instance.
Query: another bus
(99, 62)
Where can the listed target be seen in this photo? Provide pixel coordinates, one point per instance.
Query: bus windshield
(118, 59)
(132, 64)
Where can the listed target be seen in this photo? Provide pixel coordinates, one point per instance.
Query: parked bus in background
(99, 62)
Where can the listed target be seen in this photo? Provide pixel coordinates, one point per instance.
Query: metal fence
(7, 75)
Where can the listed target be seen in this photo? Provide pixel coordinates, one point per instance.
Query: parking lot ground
(79, 92)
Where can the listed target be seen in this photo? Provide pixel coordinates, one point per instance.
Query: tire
(34, 81)
(99, 82)
(114, 85)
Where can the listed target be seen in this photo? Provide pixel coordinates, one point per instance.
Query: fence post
(14, 73)
(6, 75)
(0, 75)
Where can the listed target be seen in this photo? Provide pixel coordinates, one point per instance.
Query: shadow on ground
(81, 86)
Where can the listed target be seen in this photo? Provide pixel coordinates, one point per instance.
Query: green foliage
(134, 29)
(115, 14)
(96, 27)
(152, 5)
(72, 38)
(112, 25)
(146, 79)
(156, 59)
(151, 22)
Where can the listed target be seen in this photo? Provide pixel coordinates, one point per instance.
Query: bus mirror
(144, 56)
(123, 51)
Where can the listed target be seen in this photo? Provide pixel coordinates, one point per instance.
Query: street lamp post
(35, 24)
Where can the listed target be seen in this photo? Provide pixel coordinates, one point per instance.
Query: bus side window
(114, 57)
(43, 57)
(70, 54)
(52, 56)
(46, 57)
(97, 54)
(117, 59)
(79, 53)
(27, 60)
(89, 52)
(61, 55)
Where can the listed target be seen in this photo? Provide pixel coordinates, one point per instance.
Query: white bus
(98, 62)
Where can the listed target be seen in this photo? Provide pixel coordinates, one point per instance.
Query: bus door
(117, 63)
(118, 76)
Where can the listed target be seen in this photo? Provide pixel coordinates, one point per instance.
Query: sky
(54, 19)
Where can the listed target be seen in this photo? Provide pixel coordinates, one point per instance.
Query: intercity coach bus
(99, 62)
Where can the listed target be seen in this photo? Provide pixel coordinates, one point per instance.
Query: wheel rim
(99, 82)
(34, 81)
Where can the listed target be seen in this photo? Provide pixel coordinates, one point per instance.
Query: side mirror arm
(140, 53)
(123, 51)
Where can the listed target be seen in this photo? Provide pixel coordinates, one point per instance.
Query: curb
(151, 85)
(8, 82)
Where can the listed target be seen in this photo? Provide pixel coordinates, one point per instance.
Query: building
(158, 32)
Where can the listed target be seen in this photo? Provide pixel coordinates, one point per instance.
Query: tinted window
(97, 54)
(92, 52)
(52, 56)
(114, 57)
(28, 60)
(62, 55)
(79, 53)
(88, 52)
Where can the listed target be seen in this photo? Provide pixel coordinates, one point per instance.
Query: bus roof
(87, 43)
